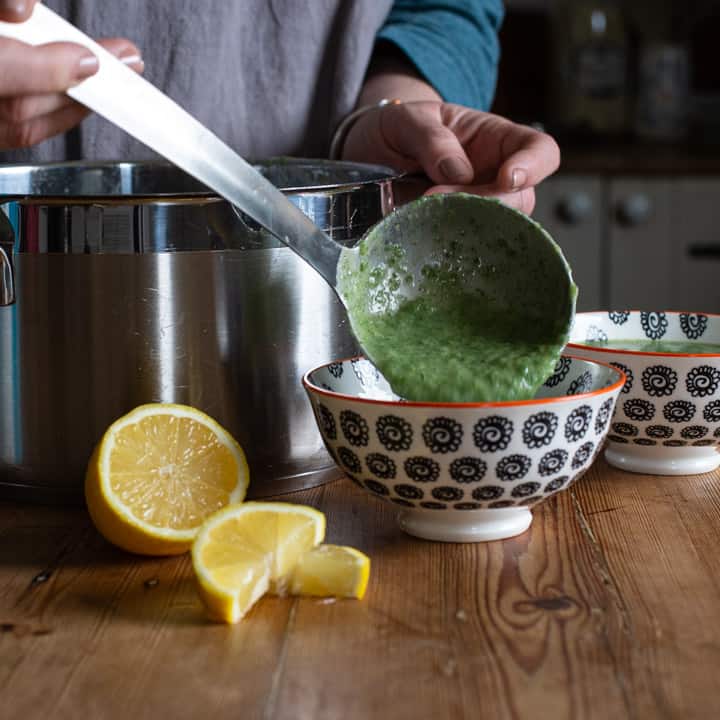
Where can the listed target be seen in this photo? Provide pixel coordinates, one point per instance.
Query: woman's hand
(33, 106)
(458, 148)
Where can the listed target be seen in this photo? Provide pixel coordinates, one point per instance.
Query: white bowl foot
(465, 525)
(663, 460)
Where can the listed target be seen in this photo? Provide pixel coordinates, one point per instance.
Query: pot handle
(7, 275)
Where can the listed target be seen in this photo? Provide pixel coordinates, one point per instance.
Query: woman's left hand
(458, 148)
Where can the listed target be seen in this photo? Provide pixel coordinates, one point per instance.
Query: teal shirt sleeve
(453, 44)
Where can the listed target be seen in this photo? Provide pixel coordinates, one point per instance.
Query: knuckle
(15, 110)
(21, 135)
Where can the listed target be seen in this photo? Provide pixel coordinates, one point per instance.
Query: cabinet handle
(634, 210)
(575, 208)
(704, 251)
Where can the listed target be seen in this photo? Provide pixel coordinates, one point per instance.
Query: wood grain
(608, 607)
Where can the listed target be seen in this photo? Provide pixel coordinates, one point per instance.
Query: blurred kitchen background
(631, 91)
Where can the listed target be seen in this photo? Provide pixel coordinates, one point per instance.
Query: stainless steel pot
(132, 283)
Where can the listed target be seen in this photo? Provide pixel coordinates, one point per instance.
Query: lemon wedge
(246, 550)
(158, 473)
(331, 570)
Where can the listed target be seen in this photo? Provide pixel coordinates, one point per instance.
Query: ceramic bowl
(667, 420)
(463, 472)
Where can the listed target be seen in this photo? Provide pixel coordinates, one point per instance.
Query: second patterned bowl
(463, 472)
(667, 421)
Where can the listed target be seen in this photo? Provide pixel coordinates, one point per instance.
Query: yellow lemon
(331, 570)
(245, 550)
(158, 473)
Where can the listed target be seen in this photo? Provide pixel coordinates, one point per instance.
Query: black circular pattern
(327, 422)
(401, 502)
(601, 419)
(618, 439)
(659, 380)
(717, 433)
(335, 369)
(619, 318)
(513, 467)
(626, 429)
(467, 506)
(525, 489)
(581, 384)
(354, 428)
(577, 423)
(394, 433)
(442, 434)
(677, 411)
(595, 335)
(702, 381)
(674, 443)
(376, 487)
(487, 493)
(639, 410)
(409, 492)
(654, 324)
(349, 460)
(704, 443)
(467, 469)
(492, 433)
(694, 432)
(558, 375)
(693, 326)
(659, 432)
(430, 505)
(644, 441)
(711, 412)
(447, 493)
(501, 504)
(531, 500)
(556, 484)
(381, 465)
(629, 377)
(422, 469)
(552, 462)
(539, 429)
(582, 455)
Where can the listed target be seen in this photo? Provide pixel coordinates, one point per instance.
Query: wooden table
(608, 607)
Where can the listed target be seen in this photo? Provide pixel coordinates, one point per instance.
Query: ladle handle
(138, 107)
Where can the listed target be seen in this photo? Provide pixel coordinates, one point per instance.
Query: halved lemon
(245, 550)
(331, 570)
(158, 473)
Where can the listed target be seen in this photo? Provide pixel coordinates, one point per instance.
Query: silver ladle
(408, 240)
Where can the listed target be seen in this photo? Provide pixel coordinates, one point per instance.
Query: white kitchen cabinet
(694, 277)
(639, 244)
(635, 242)
(571, 207)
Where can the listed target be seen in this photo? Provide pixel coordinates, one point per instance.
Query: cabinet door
(570, 208)
(640, 268)
(695, 245)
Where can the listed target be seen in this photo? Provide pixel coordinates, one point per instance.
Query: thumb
(416, 130)
(16, 10)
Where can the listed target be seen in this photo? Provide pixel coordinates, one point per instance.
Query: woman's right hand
(33, 103)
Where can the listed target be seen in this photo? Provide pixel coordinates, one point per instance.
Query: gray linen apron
(270, 77)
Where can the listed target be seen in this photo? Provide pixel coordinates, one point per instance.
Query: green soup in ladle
(456, 298)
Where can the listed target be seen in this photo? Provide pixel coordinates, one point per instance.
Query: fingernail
(133, 60)
(18, 8)
(455, 169)
(519, 178)
(87, 65)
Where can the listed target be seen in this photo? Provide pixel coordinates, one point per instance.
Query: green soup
(481, 313)
(658, 346)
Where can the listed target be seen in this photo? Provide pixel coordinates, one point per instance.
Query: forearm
(391, 75)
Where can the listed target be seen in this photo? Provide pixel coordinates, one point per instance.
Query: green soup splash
(456, 298)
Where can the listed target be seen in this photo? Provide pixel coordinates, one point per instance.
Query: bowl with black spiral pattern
(667, 419)
(463, 472)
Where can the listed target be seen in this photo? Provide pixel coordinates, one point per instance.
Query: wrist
(343, 129)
